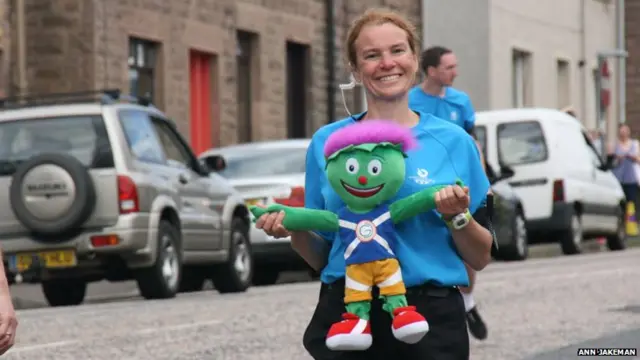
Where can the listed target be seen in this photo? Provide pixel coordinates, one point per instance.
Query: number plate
(252, 202)
(49, 259)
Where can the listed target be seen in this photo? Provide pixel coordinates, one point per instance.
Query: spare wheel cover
(52, 193)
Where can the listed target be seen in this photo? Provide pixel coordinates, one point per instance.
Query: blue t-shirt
(454, 106)
(367, 237)
(425, 248)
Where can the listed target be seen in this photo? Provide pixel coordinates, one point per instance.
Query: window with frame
(246, 57)
(593, 153)
(141, 136)
(563, 83)
(174, 149)
(143, 55)
(521, 79)
(521, 143)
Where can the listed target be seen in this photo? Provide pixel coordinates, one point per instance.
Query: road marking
(154, 330)
(43, 346)
(145, 331)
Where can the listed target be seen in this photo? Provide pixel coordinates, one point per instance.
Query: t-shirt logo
(454, 116)
(366, 231)
(422, 177)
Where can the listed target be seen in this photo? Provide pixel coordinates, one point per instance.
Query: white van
(567, 192)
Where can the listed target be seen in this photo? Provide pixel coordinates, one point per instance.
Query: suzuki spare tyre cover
(52, 194)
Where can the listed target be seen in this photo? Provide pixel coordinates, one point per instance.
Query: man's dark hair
(431, 57)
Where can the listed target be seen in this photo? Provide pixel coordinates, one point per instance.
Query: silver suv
(109, 189)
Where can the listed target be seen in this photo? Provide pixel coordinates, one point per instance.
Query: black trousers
(443, 308)
(631, 194)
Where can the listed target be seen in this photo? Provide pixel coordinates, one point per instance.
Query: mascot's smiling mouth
(363, 193)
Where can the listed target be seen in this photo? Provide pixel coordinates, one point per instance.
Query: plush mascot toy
(365, 166)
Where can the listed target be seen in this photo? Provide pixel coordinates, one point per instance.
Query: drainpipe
(622, 72)
(22, 47)
(330, 25)
(584, 67)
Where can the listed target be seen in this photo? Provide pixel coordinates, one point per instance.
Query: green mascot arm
(301, 219)
(415, 204)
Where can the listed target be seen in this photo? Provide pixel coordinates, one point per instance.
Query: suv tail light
(558, 191)
(127, 195)
(296, 199)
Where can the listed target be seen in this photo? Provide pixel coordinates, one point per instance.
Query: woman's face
(386, 66)
(623, 132)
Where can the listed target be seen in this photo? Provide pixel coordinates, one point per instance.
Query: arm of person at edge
(635, 156)
(312, 247)
(8, 321)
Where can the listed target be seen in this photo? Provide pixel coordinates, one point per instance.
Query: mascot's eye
(352, 166)
(374, 167)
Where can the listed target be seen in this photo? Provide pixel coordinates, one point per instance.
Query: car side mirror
(608, 163)
(215, 162)
(506, 172)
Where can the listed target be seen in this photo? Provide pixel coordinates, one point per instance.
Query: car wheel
(161, 280)
(571, 239)
(264, 276)
(64, 292)
(518, 248)
(618, 241)
(236, 273)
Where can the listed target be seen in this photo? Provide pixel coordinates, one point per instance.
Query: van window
(521, 143)
(480, 133)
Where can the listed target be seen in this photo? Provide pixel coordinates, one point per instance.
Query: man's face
(446, 72)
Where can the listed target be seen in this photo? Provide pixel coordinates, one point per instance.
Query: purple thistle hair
(370, 131)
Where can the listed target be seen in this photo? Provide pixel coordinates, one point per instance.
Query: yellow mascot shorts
(360, 278)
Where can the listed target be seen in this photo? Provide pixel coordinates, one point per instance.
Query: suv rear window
(521, 143)
(83, 137)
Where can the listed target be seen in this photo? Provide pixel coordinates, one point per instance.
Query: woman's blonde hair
(378, 17)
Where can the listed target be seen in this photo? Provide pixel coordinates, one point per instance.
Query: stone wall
(75, 45)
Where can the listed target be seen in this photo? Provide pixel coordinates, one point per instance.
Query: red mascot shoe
(408, 325)
(350, 334)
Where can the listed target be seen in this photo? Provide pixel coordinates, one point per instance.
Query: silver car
(109, 189)
(264, 173)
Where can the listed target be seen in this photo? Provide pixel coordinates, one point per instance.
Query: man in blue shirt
(435, 95)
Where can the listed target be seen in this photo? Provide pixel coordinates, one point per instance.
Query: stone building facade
(529, 53)
(226, 71)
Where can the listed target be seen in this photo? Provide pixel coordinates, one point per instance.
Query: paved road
(536, 309)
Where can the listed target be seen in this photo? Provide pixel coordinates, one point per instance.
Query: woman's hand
(271, 223)
(8, 323)
(452, 200)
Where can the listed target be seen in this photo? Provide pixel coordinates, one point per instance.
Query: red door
(200, 102)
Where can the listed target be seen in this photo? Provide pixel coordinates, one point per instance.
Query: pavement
(539, 309)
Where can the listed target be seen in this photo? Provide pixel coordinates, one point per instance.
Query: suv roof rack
(103, 96)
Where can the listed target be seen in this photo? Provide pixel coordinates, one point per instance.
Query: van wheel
(235, 274)
(518, 248)
(64, 292)
(571, 239)
(161, 280)
(618, 241)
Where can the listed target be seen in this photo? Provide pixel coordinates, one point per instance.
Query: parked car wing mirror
(506, 172)
(215, 162)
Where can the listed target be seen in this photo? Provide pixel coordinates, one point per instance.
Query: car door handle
(182, 178)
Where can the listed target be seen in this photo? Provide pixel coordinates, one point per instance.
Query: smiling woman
(382, 56)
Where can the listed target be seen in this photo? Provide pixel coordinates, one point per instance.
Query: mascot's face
(366, 175)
